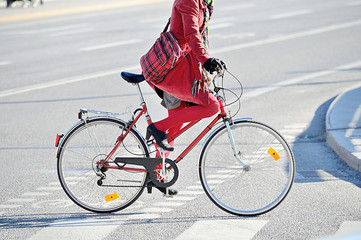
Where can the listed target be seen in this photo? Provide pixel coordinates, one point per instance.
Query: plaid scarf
(207, 16)
(205, 83)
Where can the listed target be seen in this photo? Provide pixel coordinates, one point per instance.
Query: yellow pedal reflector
(111, 197)
(274, 154)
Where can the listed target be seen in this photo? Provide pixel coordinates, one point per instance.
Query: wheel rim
(79, 171)
(238, 190)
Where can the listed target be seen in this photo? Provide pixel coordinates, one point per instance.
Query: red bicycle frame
(144, 110)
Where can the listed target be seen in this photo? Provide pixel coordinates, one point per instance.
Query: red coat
(186, 20)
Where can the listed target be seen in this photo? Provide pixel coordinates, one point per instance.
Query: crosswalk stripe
(350, 227)
(143, 216)
(21, 200)
(78, 229)
(178, 198)
(223, 229)
(36, 193)
(190, 192)
(49, 188)
(169, 204)
(4, 206)
(157, 210)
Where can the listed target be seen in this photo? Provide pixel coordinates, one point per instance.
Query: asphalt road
(293, 58)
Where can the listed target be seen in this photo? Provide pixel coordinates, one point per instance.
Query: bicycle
(245, 167)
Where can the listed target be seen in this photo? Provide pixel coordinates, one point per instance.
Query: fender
(66, 135)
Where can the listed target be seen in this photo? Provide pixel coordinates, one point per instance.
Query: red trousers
(183, 114)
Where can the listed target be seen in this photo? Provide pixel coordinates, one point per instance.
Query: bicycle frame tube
(122, 136)
(222, 114)
(195, 141)
(144, 110)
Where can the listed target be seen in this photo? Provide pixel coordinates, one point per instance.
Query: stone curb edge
(331, 138)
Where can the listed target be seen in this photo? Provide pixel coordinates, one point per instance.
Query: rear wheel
(87, 182)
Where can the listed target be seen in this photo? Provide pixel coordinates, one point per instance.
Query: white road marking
(54, 184)
(221, 25)
(169, 204)
(290, 14)
(264, 90)
(237, 7)
(233, 35)
(49, 188)
(5, 63)
(47, 30)
(289, 138)
(136, 67)
(57, 203)
(178, 198)
(109, 45)
(157, 210)
(223, 229)
(64, 81)
(4, 206)
(153, 20)
(78, 229)
(354, 3)
(297, 126)
(195, 187)
(21, 200)
(350, 227)
(190, 192)
(72, 32)
(287, 37)
(213, 181)
(292, 131)
(36, 193)
(143, 216)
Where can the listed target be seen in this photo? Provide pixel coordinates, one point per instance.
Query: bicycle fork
(237, 153)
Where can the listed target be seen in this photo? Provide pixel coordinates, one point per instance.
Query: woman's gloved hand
(212, 64)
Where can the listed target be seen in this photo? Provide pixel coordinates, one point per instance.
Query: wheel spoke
(89, 184)
(245, 191)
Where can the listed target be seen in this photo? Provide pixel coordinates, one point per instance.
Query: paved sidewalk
(343, 127)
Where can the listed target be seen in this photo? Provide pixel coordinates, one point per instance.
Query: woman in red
(185, 88)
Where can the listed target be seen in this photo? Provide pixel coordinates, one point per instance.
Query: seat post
(140, 93)
(144, 105)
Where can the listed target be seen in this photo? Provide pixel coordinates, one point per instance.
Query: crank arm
(150, 164)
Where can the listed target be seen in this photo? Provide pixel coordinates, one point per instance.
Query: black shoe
(159, 136)
(171, 192)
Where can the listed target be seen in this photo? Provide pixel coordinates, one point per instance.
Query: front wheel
(261, 183)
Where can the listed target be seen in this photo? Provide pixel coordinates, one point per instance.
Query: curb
(337, 140)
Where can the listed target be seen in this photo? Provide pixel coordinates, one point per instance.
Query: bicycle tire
(77, 170)
(229, 184)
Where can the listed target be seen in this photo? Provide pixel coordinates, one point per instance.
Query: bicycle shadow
(40, 220)
(78, 220)
(311, 167)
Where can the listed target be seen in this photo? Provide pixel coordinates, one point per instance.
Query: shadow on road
(89, 219)
(311, 167)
